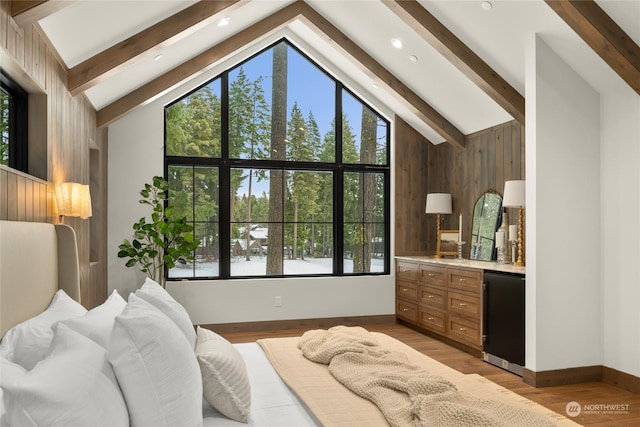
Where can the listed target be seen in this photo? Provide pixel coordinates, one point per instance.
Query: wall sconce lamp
(438, 203)
(514, 197)
(73, 199)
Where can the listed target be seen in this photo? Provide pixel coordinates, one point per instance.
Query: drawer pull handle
(462, 279)
(463, 329)
(431, 274)
(405, 309)
(430, 318)
(429, 296)
(405, 289)
(463, 304)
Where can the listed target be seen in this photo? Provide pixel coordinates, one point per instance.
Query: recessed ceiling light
(486, 5)
(158, 57)
(397, 43)
(224, 22)
(413, 58)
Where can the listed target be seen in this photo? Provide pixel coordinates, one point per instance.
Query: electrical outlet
(278, 301)
(505, 364)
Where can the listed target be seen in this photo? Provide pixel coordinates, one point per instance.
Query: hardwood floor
(554, 398)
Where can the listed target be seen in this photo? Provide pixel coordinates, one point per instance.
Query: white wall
(620, 151)
(563, 249)
(136, 155)
(583, 219)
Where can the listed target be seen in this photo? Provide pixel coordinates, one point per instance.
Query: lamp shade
(438, 203)
(514, 194)
(73, 199)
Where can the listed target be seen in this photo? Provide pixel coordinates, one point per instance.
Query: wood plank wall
(67, 125)
(412, 230)
(491, 157)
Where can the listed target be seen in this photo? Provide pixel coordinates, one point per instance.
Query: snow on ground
(258, 266)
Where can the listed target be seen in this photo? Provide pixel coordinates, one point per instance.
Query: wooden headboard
(36, 259)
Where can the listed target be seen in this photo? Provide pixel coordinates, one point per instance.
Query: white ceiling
(498, 36)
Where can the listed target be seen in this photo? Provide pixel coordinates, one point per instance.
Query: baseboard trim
(621, 379)
(582, 374)
(566, 376)
(320, 323)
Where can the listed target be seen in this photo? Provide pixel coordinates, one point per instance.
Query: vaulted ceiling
(461, 68)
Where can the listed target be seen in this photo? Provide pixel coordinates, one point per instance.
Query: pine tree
(302, 185)
(275, 258)
(367, 192)
(351, 193)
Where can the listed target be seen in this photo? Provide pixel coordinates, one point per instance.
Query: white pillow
(98, 322)
(155, 367)
(73, 386)
(27, 342)
(9, 372)
(224, 375)
(157, 296)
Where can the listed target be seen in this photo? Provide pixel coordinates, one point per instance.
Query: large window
(13, 124)
(282, 172)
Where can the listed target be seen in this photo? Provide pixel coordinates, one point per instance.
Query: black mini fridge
(503, 320)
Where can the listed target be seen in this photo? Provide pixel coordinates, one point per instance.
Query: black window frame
(338, 168)
(18, 123)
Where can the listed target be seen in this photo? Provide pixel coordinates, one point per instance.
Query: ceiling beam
(461, 56)
(603, 35)
(146, 43)
(26, 12)
(298, 10)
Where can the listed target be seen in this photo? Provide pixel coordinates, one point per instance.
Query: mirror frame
(473, 253)
(447, 236)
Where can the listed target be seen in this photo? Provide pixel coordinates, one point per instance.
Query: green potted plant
(165, 240)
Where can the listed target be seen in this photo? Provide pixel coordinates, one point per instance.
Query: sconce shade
(514, 194)
(438, 203)
(73, 199)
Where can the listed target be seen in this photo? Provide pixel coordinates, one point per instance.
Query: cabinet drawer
(433, 319)
(466, 305)
(464, 331)
(407, 311)
(434, 297)
(432, 275)
(406, 271)
(465, 280)
(406, 290)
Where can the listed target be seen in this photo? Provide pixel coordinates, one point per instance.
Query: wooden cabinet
(407, 291)
(442, 299)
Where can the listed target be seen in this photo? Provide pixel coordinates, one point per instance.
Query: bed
(141, 362)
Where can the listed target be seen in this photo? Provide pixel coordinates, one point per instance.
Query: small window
(13, 124)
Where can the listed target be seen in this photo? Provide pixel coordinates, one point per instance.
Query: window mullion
(224, 208)
(338, 191)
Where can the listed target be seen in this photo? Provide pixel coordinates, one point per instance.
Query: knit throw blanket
(405, 394)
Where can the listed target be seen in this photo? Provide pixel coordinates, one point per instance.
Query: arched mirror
(487, 217)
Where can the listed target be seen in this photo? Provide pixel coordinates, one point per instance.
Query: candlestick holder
(501, 254)
(514, 249)
(460, 244)
(475, 250)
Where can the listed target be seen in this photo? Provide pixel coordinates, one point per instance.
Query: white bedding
(273, 404)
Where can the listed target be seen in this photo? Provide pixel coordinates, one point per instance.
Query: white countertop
(454, 262)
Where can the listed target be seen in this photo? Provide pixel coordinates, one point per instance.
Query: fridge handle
(485, 313)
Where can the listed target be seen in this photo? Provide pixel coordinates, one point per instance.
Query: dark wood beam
(26, 12)
(603, 35)
(146, 43)
(297, 10)
(465, 59)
